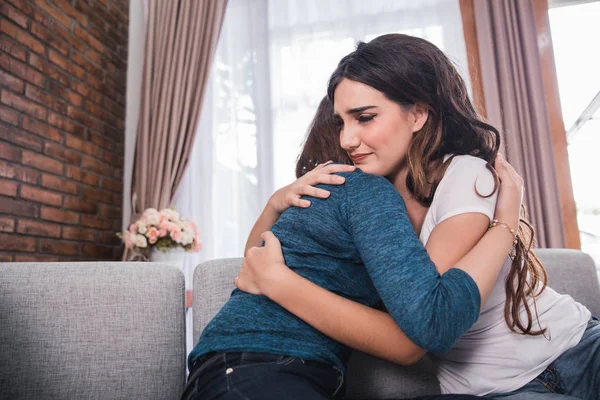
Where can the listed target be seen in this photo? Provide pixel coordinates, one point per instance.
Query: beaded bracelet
(504, 225)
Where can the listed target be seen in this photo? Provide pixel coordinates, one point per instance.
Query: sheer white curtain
(270, 72)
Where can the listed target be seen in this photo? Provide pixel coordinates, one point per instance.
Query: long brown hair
(409, 70)
(322, 142)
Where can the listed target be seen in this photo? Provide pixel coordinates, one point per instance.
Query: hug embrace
(404, 234)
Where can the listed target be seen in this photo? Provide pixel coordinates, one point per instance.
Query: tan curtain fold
(181, 40)
(515, 104)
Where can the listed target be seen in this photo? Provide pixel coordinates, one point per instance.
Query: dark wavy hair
(409, 70)
(322, 142)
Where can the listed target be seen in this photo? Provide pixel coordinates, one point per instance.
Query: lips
(360, 157)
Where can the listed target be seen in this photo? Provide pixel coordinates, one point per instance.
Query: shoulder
(358, 180)
(368, 189)
(469, 171)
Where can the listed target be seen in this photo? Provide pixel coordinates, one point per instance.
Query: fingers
(270, 239)
(293, 199)
(332, 168)
(507, 173)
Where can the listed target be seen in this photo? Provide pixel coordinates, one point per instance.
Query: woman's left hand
(263, 267)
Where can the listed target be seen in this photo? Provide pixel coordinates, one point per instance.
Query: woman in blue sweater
(358, 243)
(402, 112)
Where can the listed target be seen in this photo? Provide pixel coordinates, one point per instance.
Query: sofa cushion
(91, 331)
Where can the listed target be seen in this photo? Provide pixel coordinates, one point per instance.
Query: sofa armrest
(91, 330)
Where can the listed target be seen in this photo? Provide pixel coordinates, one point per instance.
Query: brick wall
(63, 66)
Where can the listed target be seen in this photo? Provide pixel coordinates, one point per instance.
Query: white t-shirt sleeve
(464, 188)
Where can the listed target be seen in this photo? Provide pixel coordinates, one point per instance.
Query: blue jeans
(573, 375)
(260, 376)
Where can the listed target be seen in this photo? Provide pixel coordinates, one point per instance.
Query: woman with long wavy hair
(401, 110)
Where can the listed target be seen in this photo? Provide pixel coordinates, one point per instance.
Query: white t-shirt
(489, 357)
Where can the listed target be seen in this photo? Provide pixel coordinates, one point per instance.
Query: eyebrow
(356, 110)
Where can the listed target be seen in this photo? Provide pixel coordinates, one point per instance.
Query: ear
(420, 113)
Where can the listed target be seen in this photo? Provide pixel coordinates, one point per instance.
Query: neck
(398, 179)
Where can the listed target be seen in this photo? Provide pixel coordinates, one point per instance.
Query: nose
(349, 139)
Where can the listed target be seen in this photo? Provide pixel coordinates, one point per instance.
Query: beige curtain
(180, 43)
(515, 104)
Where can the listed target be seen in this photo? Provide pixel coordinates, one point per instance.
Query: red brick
(109, 238)
(55, 13)
(20, 138)
(97, 166)
(36, 228)
(83, 117)
(60, 153)
(14, 14)
(77, 204)
(112, 185)
(89, 39)
(82, 146)
(56, 215)
(104, 252)
(102, 141)
(112, 159)
(7, 224)
(22, 71)
(17, 207)
(82, 7)
(58, 184)
(65, 124)
(21, 36)
(19, 173)
(58, 247)
(96, 83)
(109, 211)
(8, 115)
(35, 258)
(6, 257)
(73, 233)
(116, 134)
(51, 38)
(95, 194)
(94, 221)
(45, 98)
(41, 129)
(68, 9)
(48, 69)
(22, 104)
(80, 175)
(68, 36)
(9, 152)
(13, 48)
(8, 188)
(86, 91)
(63, 92)
(8, 81)
(41, 195)
(12, 242)
(42, 163)
(66, 64)
(86, 64)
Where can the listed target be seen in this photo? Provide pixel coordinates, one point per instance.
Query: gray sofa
(569, 271)
(116, 330)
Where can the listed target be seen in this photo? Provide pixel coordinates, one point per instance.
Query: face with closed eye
(375, 131)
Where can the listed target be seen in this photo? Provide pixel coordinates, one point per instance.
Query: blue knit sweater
(358, 243)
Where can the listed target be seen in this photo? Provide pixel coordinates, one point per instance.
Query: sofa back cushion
(91, 331)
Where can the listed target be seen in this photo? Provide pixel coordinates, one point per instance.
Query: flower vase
(174, 255)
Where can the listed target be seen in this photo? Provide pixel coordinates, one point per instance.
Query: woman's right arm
(290, 195)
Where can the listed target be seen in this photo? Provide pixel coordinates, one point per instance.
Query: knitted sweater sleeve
(433, 310)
